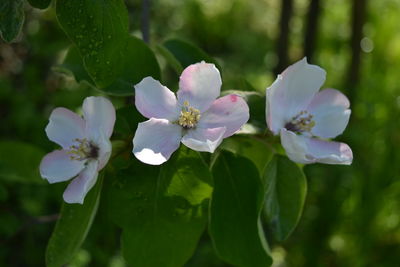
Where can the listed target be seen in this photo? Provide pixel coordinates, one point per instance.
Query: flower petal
(199, 84)
(57, 166)
(291, 92)
(306, 150)
(331, 113)
(230, 111)
(155, 140)
(80, 186)
(105, 149)
(99, 114)
(153, 100)
(65, 126)
(206, 140)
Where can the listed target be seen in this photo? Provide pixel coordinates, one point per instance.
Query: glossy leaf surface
(11, 18)
(72, 227)
(286, 189)
(235, 212)
(162, 210)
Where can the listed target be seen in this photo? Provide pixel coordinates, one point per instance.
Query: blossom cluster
(303, 117)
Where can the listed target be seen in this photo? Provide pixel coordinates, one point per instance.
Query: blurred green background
(352, 214)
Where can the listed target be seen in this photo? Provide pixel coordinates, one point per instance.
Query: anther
(84, 150)
(302, 122)
(189, 116)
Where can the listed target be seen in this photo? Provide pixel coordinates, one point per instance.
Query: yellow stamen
(84, 150)
(189, 116)
(302, 122)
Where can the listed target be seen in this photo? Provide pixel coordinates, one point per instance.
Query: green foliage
(42, 4)
(285, 193)
(11, 19)
(181, 54)
(162, 210)
(250, 147)
(137, 62)
(73, 66)
(235, 212)
(351, 214)
(19, 162)
(113, 59)
(72, 227)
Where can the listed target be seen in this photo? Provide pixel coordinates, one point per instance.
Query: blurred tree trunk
(310, 38)
(283, 39)
(145, 20)
(358, 19)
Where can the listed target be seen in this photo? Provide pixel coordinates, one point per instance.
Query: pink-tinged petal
(330, 152)
(230, 111)
(199, 84)
(206, 140)
(307, 150)
(81, 185)
(99, 114)
(291, 93)
(65, 126)
(155, 140)
(331, 113)
(153, 100)
(57, 166)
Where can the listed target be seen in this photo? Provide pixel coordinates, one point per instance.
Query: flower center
(83, 150)
(189, 116)
(300, 123)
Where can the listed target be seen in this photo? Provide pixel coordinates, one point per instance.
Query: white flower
(304, 117)
(85, 143)
(195, 117)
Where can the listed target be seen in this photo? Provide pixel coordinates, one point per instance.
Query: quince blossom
(195, 117)
(86, 146)
(304, 117)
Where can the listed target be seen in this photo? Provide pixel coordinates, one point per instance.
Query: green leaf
(170, 58)
(42, 4)
(250, 147)
(11, 18)
(73, 66)
(161, 209)
(235, 212)
(127, 119)
(138, 61)
(113, 59)
(285, 193)
(185, 53)
(72, 227)
(19, 162)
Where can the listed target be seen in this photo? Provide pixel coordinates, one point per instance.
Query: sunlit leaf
(235, 212)
(161, 209)
(11, 18)
(72, 227)
(285, 193)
